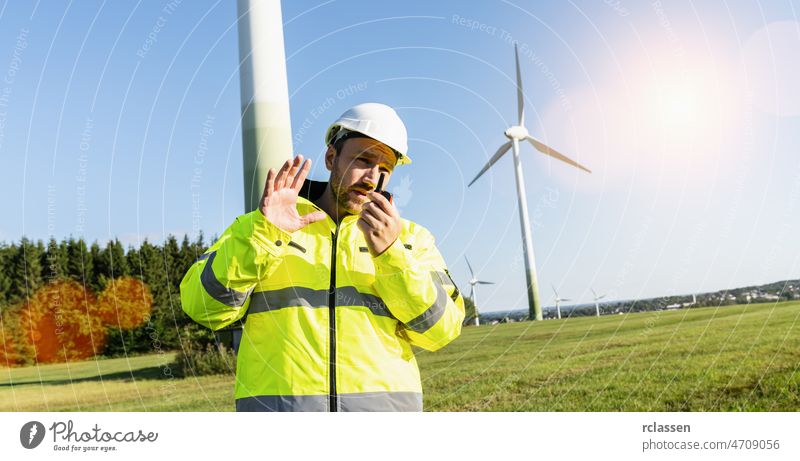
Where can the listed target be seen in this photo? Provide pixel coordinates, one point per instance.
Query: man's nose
(372, 176)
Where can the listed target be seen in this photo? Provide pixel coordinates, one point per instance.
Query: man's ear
(330, 156)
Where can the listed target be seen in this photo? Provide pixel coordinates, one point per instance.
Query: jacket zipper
(332, 404)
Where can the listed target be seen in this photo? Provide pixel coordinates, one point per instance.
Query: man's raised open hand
(279, 201)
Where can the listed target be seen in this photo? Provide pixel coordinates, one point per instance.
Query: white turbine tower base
(515, 134)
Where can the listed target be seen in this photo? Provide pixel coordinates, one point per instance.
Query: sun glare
(680, 107)
(684, 102)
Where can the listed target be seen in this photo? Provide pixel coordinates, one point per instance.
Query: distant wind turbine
(558, 301)
(596, 303)
(515, 134)
(472, 282)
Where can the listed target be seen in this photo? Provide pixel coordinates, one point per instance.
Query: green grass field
(735, 358)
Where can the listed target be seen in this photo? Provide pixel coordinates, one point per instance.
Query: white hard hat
(378, 121)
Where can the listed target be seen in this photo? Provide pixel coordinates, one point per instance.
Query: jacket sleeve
(418, 290)
(215, 292)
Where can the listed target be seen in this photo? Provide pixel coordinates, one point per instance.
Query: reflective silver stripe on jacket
(283, 403)
(367, 401)
(381, 401)
(427, 319)
(216, 289)
(263, 301)
(444, 279)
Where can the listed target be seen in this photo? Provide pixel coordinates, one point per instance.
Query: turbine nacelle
(517, 132)
(474, 280)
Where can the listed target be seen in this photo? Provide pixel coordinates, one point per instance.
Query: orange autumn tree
(126, 303)
(59, 323)
(65, 321)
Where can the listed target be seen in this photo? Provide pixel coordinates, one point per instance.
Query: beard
(348, 200)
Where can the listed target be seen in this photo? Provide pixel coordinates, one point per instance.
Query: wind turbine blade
(566, 299)
(502, 150)
(520, 97)
(601, 297)
(541, 147)
(485, 283)
(471, 291)
(595, 294)
(554, 290)
(470, 267)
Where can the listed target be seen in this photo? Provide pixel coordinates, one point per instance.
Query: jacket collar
(312, 190)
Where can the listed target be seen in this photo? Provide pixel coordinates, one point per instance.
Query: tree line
(31, 272)
(28, 268)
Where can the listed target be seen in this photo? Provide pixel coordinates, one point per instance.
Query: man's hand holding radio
(380, 223)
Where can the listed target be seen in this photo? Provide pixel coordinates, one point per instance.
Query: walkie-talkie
(379, 188)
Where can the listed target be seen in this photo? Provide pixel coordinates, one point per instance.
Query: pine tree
(94, 259)
(151, 260)
(187, 257)
(152, 267)
(80, 263)
(173, 262)
(112, 262)
(119, 262)
(6, 258)
(171, 315)
(26, 270)
(54, 260)
(134, 263)
(199, 245)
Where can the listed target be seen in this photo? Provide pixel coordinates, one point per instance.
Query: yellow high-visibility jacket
(329, 327)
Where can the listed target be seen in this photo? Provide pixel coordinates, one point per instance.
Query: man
(337, 287)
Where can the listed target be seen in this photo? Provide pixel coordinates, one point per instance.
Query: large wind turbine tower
(266, 126)
(515, 134)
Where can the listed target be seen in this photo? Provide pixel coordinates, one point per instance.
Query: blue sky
(686, 112)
